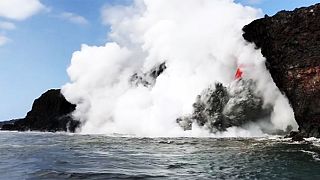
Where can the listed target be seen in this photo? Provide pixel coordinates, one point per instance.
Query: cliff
(50, 112)
(290, 41)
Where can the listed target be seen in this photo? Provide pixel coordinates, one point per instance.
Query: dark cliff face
(50, 112)
(290, 41)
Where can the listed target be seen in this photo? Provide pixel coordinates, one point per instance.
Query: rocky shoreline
(290, 42)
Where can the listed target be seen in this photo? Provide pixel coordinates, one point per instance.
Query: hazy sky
(38, 37)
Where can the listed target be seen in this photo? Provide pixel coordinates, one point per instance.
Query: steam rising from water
(201, 43)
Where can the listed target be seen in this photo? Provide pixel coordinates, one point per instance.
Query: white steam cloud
(200, 41)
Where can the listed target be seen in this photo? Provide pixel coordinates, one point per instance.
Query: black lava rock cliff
(50, 112)
(290, 41)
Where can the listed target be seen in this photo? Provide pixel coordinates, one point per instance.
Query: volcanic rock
(290, 41)
(7, 124)
(50, 112)
(148, 79)
(296, 136)
(220, 107)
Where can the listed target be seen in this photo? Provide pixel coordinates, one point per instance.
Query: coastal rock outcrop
(219, 107)
(290, 41)
(50, 112)
(8, 123)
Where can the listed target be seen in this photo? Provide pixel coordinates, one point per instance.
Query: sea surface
(31, 155)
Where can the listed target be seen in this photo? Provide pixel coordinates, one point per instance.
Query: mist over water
(201, 43)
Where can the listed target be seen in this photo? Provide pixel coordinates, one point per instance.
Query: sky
(38, 37)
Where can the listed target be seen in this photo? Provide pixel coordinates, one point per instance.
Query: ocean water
(71, 156)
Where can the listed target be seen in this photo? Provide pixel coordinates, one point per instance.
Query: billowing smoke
(200, 42)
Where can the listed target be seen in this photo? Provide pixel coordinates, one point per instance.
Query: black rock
(50, 112)
(296, 136)
(220, 107)
(7, 123)
(290, 41)
(148, 79)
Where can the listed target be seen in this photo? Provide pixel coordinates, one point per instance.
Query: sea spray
(201, 43)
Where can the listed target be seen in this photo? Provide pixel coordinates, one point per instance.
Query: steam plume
(201, 43)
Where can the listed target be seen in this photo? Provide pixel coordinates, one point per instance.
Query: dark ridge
(8, 123)
(50, 112)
